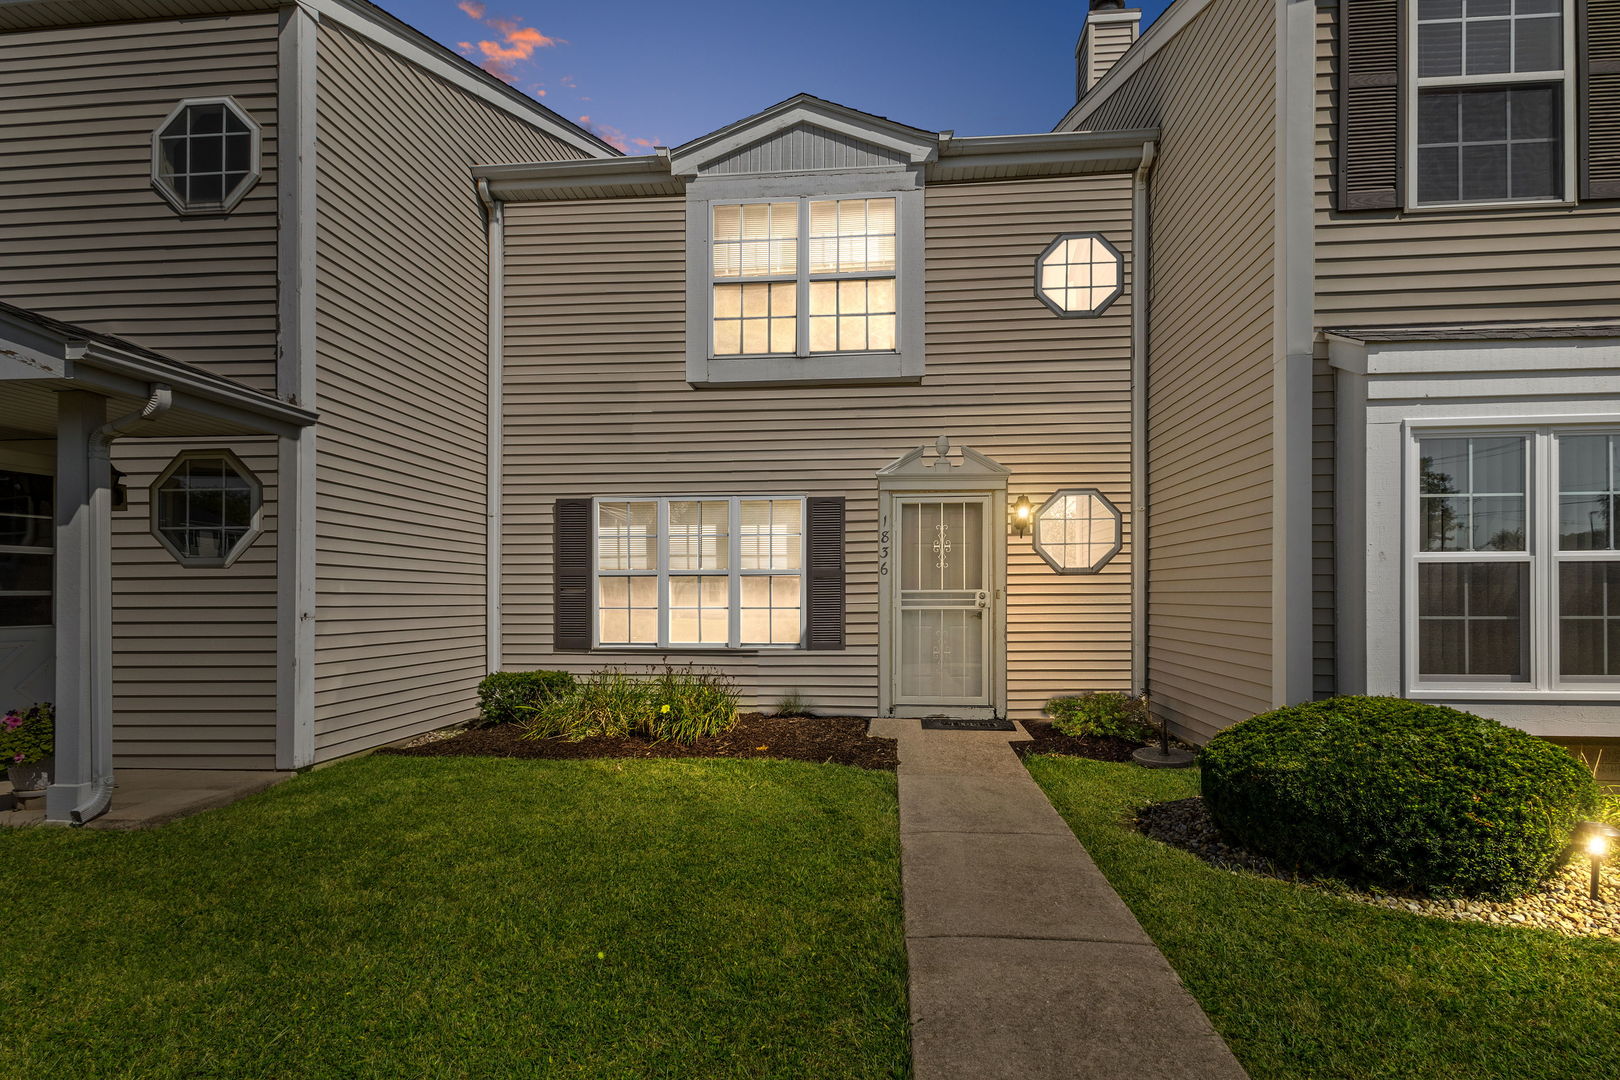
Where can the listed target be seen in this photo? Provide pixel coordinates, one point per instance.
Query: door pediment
(942, 467)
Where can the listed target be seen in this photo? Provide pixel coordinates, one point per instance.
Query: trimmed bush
(678, 703)
(1397, 795)
(506, 697)
(1101, 712)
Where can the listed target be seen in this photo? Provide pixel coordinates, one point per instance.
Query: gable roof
(880, 138)
(360, 16)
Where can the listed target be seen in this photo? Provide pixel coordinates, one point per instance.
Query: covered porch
(67, 395)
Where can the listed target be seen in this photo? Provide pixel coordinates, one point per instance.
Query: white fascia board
(1165, 27)
(213, 396)
(577, 179)
(919, 147)
(411, 44)
(1490, 357)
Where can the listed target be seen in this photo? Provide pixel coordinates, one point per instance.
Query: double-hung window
(1492, 101)
(700, 572)
(1515, 582)
(805, 277)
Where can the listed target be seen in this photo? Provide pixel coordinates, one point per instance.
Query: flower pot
(30, 781)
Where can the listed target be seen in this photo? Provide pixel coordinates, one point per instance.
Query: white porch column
(83, 776)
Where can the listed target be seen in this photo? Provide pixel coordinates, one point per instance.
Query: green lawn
(1305, 986)
(464, 917)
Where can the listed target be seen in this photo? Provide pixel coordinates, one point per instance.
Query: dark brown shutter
(571, 574)
(1599, 59)
(1369, 105)
(826, 532)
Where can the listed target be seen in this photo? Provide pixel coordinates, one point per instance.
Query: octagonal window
(205, 156)
(1078, 275)
(205, 507)
(1077, 531)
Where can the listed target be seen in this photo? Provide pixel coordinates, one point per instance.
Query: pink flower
(13, 721)
(19, 756)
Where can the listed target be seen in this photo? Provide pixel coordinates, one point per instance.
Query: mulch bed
(836, 740)
(1046, 740)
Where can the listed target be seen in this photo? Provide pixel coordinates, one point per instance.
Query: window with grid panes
(715, 572)
(1517, 579)
(1492, 91)
(804, 277)
(205, 156)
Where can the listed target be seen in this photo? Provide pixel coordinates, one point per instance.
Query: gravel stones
(1561, 905)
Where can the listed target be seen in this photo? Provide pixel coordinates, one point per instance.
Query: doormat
(963, 723)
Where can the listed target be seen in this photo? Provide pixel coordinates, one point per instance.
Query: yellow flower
(664, 709)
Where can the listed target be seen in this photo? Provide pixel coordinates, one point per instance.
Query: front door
(27, 539)
(943, 593)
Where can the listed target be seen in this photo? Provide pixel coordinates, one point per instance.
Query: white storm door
(27, 544)
(942, 595)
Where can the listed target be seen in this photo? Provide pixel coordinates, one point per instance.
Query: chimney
(1110, 29)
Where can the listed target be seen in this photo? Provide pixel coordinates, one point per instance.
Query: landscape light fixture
(1600, 840)
(1022, 515)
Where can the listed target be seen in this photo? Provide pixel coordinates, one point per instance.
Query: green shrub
(1397, 795)
(1101, 712)
(505, 697)
(678, 703)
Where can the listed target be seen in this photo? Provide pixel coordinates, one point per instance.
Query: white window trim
(255, 523)
(900, 365)
(733, 572)
(1541, 553)
(232, 197)
(1411, 84)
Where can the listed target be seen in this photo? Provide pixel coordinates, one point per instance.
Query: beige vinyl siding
(194, 650)
(87, 239)
(84, 237)
(597, 405)
(1210, 92)
(1385, 267)
(401, 330)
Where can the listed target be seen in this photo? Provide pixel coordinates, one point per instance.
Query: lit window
(1515, 585)
(837, 256)
(1077, 531)
(205, 508)
(1492, 89)
(205, 156)
(707, 572)
(1078, 275)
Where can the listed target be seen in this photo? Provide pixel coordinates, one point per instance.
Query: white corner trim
(407, 42)
(1293, 353)
(1162, 29)
(295, 382)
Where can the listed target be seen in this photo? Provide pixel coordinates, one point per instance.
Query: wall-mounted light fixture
(1021, 515)
(1600, 839)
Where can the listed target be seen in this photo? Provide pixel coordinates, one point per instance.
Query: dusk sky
(642, 74)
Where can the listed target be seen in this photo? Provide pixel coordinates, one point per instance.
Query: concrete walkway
(143, 798)
(1024, 961)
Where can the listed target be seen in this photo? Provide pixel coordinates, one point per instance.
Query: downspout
(495, 228)
(100, 466)
(1141, 236)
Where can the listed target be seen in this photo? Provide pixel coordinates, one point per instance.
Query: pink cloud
(646, 143)
(473, 8)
